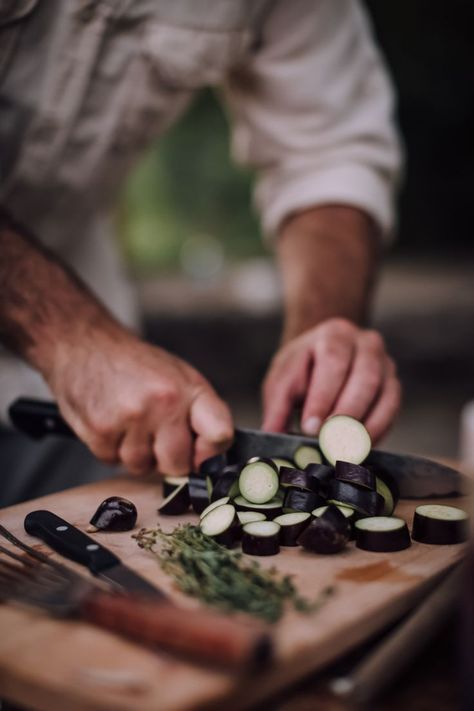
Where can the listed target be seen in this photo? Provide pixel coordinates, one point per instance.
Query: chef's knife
(416, 477)
(70, 542)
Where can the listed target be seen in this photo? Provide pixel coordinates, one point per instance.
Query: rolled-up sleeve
(312, 111)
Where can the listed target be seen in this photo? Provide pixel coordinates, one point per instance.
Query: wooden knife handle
(202, 635)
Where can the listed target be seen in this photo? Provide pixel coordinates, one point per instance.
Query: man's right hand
(133, 403)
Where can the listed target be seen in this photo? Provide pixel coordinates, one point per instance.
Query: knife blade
(416, 477)
(72, 543)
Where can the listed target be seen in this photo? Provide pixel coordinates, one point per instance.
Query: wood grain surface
(53, 665)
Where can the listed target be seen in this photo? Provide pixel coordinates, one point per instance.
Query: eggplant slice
(292, 526)
(177, 502)
(440, 525)
(344, 438)
(327, 534)
(258, 481)
(222, 524)
(382, 534)
(261, 538)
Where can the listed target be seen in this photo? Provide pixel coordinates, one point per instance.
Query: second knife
(70, 542)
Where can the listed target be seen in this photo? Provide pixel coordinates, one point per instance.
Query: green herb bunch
(202, 568)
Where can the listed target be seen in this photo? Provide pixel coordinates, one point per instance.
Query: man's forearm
(43, 305)
(327, 257)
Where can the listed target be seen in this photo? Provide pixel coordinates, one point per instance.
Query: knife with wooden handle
(416, 477)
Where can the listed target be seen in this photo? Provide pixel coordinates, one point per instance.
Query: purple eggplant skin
(232, 536)
(260, 545)
(323, 475)
(223, 484)
(178, 505)
(355, 474)
(115, 514)
(366, 502)
(439, 532)
(299, 479)
(289, 534)
(198, 494)
(388, 542)
(326, 534)
(302, 500)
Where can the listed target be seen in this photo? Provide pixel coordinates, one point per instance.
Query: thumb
(211, 421)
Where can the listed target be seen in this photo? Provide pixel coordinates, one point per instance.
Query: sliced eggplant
(198, 492)
(292, 526)
(355, 474)
(440, 525)
(323, 475)
(170, 483)
(386, 494)
(215, 505)
(365, 502)
(289, 476)
(343, 438)
(250, 516)
(280, 462)
(382, 534)
(115, 514)
(301, 500)
(258, 481)
(384, 481)
(349, 513)
(270, 509)
(177, 502)
(226, 484)
(261, 538)
(214, 465)
(305, 454)
(328, 533)
(222, 524)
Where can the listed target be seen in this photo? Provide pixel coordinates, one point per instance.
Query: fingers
(173, 449)
(284, 386)
(332, 364)
(387, 406)
(135, 450)
(365, 379)
(212, 424)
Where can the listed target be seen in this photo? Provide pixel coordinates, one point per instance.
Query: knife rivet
(92, 547)
(61, 528)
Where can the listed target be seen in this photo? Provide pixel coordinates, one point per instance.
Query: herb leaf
(202, 568)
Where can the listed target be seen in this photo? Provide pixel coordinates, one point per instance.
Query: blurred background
(207, 284)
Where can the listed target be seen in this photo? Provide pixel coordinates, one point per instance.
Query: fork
(34, 580)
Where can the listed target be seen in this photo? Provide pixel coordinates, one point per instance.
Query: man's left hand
(333, 368)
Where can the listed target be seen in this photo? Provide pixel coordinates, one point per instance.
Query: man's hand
(139, 405)
(333, 368)
(128, 401)
(328, 364)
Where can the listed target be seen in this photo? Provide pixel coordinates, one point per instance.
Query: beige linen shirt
(86, 85)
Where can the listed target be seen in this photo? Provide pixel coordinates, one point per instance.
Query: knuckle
(341, 326)
(374, 341)
(169, 396)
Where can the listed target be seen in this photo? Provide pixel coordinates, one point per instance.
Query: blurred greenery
(185, 187)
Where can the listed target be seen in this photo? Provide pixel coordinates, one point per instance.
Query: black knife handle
(69, 541)
(38, 418)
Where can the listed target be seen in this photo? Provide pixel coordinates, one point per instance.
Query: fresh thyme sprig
(202, 568)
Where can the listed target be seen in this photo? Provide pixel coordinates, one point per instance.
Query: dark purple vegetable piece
(299, 479)
(226, 484)
(322, 473)
(177, 502)
(301, 500)
(364, 501)
(198, 492)
(254, 543)
(382, 540)
(291, 529)
(213, 466)
(115, 514)
(170, 483)
(327, 534)
(355, 474)
(271, 509)
(430, 525)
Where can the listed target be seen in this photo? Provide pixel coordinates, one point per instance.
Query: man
(84, 87)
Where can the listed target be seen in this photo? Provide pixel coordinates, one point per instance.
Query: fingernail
(311, 425)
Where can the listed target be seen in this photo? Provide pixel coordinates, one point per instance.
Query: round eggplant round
(250, 517)
(382, 534)
(177, 502)
(222, 524)
(291, 477)
(115, 514)
(258, 481)
(291, 526)
(305, 454)
(344, 438)
(355, 474)
(270, 509)
(261, 538)
(301, 500)
(366, 502)
(170, 483)
(440, 525)
(215, 505)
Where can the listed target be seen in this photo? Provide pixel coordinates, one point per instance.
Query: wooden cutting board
(53, 665)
